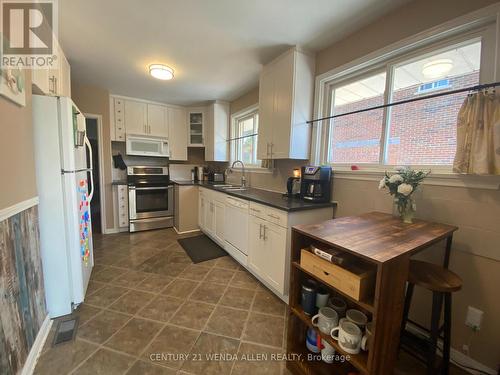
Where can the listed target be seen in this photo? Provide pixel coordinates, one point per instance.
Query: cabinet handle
(272, 146)
(273, 216)
(52, 88)
(260, 231)
(264, 232)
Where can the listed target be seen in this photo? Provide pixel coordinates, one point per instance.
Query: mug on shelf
(357, 317)
(321, 297)
(326, 319)
(339, 305)
(368, 334)
(349, 337)
(327, 352)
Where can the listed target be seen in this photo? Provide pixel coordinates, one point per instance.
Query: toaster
(216, 177)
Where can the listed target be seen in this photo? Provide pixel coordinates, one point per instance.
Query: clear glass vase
(406, 209)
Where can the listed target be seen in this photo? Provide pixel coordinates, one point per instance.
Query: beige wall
(244, 101)
(17, 164)
(417, 16)
(95, 100)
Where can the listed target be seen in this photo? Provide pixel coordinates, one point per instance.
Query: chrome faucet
(243, 178)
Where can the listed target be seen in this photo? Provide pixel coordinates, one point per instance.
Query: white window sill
(439, 178)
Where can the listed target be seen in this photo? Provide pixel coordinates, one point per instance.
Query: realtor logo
(28, 33)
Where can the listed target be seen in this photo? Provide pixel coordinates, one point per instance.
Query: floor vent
(65, 331)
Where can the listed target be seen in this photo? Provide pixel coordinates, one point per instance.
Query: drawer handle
(273, 216)
(254, 210)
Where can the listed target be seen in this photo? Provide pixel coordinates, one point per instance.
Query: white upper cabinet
(178, 134)
(196, 127)
(145, 119)
(138, 117)
(286, 93)
(55, 81)
(157, 123)
(217, 132)
(135, 117)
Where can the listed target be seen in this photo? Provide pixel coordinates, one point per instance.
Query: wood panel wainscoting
(22, 301)
(376, 240)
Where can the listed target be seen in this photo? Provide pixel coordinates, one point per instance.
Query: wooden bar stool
(442, 283)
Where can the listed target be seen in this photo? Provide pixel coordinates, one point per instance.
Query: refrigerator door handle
(91, 194)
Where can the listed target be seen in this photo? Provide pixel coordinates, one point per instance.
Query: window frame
(387, 62)
(252, 111)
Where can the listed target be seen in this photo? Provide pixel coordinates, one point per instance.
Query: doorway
(92, 128)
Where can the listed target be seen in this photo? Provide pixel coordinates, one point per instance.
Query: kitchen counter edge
(303, 205)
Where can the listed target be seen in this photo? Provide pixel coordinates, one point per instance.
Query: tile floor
(148, 306)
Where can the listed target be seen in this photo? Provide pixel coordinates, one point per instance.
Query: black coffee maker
(315, 185)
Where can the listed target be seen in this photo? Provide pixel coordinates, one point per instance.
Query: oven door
(150, 201)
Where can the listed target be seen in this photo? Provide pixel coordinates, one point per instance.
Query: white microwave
(147, 146)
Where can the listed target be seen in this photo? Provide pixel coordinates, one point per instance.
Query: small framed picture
(13, 85)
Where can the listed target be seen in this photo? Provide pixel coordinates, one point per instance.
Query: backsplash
(22, 301)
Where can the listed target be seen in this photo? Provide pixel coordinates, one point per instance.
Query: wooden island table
(383, 242)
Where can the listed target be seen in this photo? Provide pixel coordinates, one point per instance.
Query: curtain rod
(242, 137)
(465, 89)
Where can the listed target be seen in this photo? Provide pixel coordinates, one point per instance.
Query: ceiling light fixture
(161, 71)
(437, 68)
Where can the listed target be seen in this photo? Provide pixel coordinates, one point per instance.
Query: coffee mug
(339, 305)
(327, 352)
(325, 319)
(368, 334)
(357, 317)
(321, 297)
(349, 337)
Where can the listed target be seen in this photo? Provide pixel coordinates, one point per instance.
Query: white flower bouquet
(402, 185)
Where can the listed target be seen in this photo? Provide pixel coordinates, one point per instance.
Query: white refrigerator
(65, 188)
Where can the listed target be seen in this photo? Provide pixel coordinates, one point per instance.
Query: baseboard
(37, 347)
(7, 212)
(455, 355)
(186, 231)
(111, 231)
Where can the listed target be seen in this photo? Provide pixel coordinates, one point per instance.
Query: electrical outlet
(465, 349)
(474, 318)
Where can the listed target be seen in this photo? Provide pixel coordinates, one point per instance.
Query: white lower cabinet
(219, 219)
(210, 217)
(257, 255)
(202, 204)
(266, 250)
(122, 206)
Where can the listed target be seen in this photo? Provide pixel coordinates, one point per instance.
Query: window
(436, 85)
(356, 138)
(417, 133)
(244, 137)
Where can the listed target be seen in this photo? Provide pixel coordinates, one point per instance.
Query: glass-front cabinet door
(196, 118)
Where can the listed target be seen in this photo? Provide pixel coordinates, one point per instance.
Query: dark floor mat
(65, 331)
(201, 248)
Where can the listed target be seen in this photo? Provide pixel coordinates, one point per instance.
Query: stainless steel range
(150, 197)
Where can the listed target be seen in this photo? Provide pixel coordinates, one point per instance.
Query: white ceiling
(216, 47)
(465, 59)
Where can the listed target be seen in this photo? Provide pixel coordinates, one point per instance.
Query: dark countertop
(265, 197)
(119, 182)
